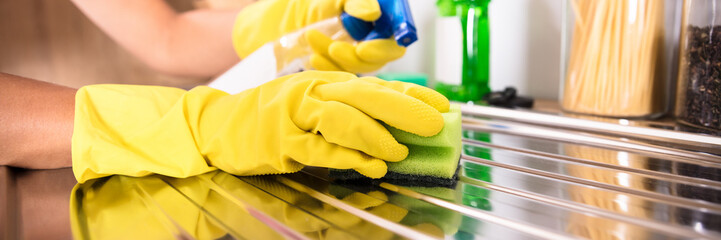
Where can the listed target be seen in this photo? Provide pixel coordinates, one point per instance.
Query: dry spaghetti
(614, 58)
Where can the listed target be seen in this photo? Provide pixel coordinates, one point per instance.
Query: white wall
(525, 45)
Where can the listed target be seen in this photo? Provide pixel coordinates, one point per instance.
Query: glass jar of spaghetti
(699, 87)
(617, 57)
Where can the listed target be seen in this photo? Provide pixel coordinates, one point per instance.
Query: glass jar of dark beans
(699, 87)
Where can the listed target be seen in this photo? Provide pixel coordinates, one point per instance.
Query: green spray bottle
(462, 49)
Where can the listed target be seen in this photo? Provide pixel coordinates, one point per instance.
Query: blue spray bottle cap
(404, 29)
(396, 20)
(356, 28)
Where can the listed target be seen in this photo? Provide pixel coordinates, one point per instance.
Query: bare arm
(195, 43)
(37, 123)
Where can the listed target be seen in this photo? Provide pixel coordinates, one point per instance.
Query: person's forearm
(195, 43)
(37, 123)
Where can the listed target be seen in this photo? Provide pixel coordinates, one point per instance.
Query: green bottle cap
(417, 78)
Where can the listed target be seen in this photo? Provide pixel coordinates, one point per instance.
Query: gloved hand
(268, 20)
(324, 119)
(366, 56)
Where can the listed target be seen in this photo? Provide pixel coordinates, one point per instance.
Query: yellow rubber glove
(324, 119)
(268, 20)
(366, 56)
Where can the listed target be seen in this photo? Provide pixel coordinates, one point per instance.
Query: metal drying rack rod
(707, 143)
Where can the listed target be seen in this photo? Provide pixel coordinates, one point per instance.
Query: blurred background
(53, 41)
(525, 45)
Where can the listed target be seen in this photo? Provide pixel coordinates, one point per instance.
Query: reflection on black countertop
(218, 205)
(510, 186)
(35, 203)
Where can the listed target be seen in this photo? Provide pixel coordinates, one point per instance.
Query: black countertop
(512, 184)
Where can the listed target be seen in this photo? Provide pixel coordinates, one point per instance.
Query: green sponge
(431, 161)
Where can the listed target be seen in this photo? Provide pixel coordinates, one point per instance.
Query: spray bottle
(462, 49)
(291, 53)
